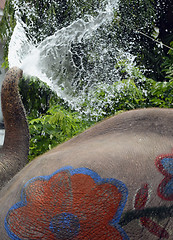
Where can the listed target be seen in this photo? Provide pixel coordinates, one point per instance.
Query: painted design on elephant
(164, 163)
(69, 204)
(141, 198)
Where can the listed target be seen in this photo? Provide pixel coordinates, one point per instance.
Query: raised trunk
(14, 152)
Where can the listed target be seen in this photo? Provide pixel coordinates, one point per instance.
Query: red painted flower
(69, 204)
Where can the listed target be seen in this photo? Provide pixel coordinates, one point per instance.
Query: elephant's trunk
(14, 152)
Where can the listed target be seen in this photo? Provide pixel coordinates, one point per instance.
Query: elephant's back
(124, 147)
(150, 120)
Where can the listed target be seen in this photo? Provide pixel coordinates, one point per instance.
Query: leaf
(154, 228)
(141, 197)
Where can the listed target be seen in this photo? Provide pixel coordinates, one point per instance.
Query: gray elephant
(114, 181)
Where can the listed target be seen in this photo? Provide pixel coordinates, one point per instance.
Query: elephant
(113, 181)
(13, 157)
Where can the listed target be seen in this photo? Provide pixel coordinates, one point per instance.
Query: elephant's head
(14, 152)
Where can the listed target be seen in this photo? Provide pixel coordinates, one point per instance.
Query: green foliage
(132, 92)
(138, 25)
(51, 121)
(5, 64)
(129, 93)
(136, 20)
(108, 99)
(160, 94)
(132, 19)
(59, 125)
(167, 66)
(37, 97)
(55, 127)
(7, 25)
(37, 14)
(144, 92)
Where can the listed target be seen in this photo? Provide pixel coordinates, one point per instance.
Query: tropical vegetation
(144, 23)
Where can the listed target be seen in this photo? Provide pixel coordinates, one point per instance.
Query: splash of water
(74, 59)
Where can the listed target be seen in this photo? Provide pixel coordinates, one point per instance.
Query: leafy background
(51, 120)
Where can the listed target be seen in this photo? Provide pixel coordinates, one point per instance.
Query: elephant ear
(14, 152)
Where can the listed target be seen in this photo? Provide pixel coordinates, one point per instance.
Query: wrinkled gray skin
(14, 152)
(123, 147)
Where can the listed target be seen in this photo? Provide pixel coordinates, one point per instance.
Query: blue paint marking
(65, 226)
(118, 184)
(168, 165)
(168, 189)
